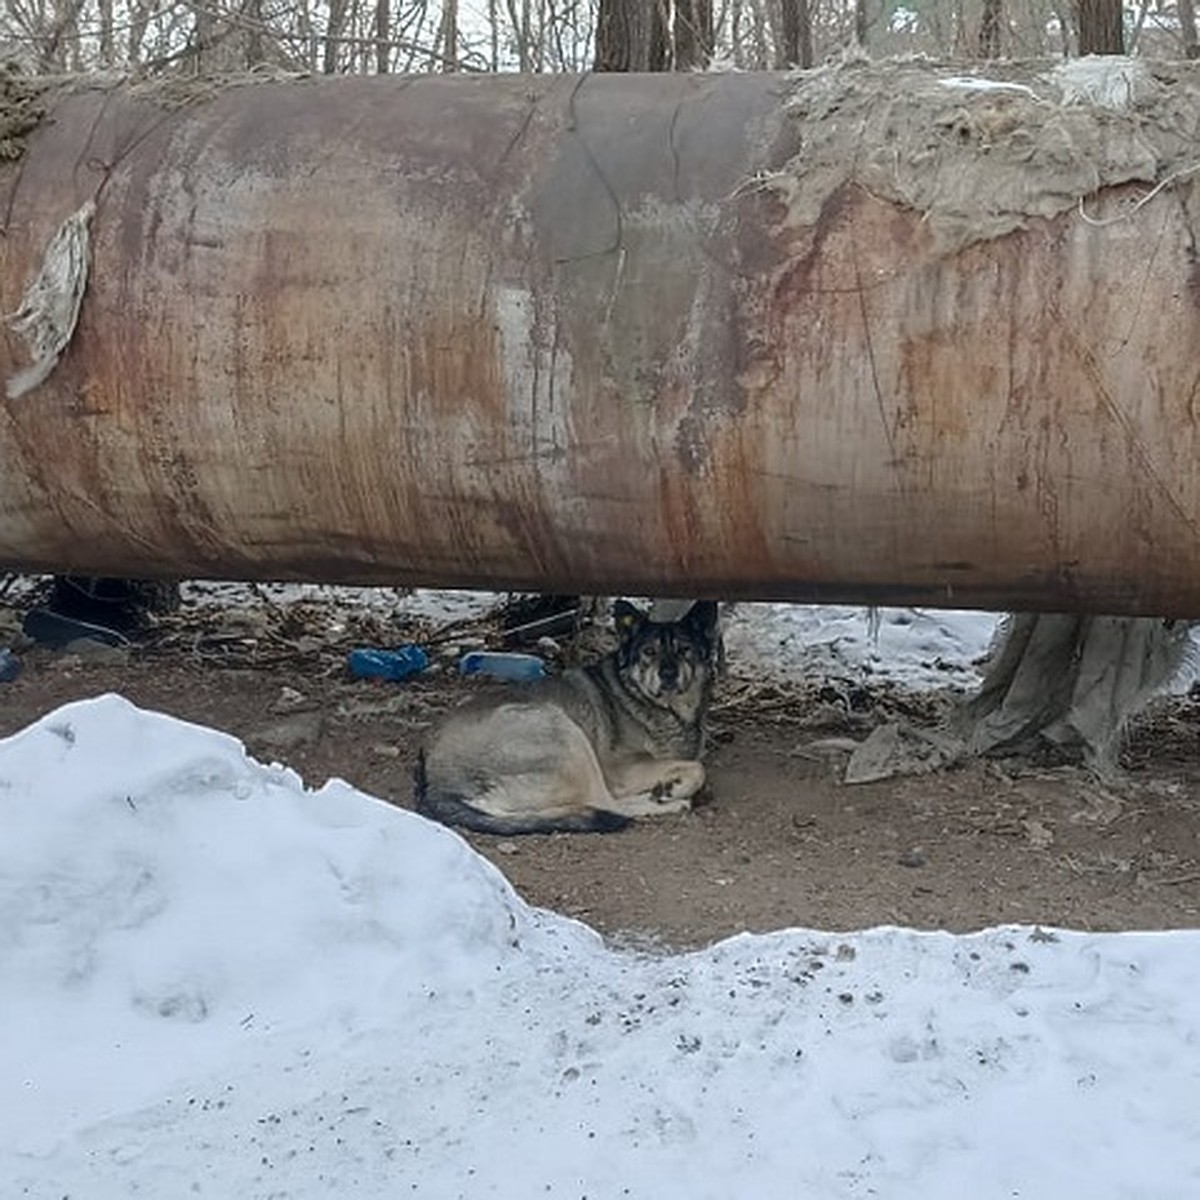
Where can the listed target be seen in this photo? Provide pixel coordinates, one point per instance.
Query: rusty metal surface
(547, 333)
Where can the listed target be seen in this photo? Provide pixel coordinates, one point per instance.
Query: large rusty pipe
(566, 334)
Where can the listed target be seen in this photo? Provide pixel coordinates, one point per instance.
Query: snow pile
(216, 983)
(157, 883)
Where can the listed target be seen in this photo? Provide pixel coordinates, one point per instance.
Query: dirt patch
(781, 842)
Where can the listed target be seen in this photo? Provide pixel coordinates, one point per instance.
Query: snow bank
(163, 898)
(216, 983)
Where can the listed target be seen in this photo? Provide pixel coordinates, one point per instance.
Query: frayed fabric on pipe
(50, 307)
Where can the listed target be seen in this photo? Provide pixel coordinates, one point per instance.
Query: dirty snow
(920, 648)
(974, 83)
(439, 606)
(217, 983)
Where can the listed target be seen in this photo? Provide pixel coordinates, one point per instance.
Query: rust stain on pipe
(548, 333)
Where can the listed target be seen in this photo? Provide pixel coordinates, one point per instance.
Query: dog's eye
(649, 652)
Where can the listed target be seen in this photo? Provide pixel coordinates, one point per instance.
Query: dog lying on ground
(588, 751)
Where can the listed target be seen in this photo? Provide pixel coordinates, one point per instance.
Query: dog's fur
(588, 751)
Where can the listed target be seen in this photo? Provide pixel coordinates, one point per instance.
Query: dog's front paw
(680, 783)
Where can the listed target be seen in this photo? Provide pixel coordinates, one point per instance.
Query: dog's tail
(454, 810)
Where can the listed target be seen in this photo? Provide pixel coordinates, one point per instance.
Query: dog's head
(667, 659)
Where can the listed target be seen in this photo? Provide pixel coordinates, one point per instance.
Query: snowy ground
(216, 983)
(920, 648)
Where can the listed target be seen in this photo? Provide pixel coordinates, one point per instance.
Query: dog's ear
(703, 619)
(627, 618)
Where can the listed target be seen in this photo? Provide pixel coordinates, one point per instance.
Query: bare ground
(781, 841)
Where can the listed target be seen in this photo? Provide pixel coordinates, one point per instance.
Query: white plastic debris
(50, 307)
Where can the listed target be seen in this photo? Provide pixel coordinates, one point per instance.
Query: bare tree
(631, 35)
(379, 36)
(61, 40)
(989, 28)
(862, 24)
(795, 34)
(449, 35)
(383, 52)
(107, 45)
(693, 34)
(1187, 29)
(256, 52)
(1101, 27)
(335, 27)
(520, 20)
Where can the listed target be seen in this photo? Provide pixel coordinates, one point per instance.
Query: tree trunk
(795, 35)
(989, 29)
(861, 24)
(693, 34)
(382, 35)
(760, 15)
(334, 29)
(253, 34)
(519, 20)
(449, 38)
(139, 20)
(1101, 27)
(631, 35)
(1187, 28)
(106, 33)
(204, 38)
(54, 54)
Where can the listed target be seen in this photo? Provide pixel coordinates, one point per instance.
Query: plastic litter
(401, 663)
(513, 668)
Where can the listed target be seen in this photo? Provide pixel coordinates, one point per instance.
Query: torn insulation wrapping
(980, 157)
(1058, 687)
(1071, 681)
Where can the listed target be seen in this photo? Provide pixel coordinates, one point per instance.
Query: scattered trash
(290, 700)
(453, 651)
(10, 666)
(1040, 835)
(401, 663)
(900, 748)
(513, 668)
(526, 619)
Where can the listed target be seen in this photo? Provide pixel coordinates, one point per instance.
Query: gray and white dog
(590, 750)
